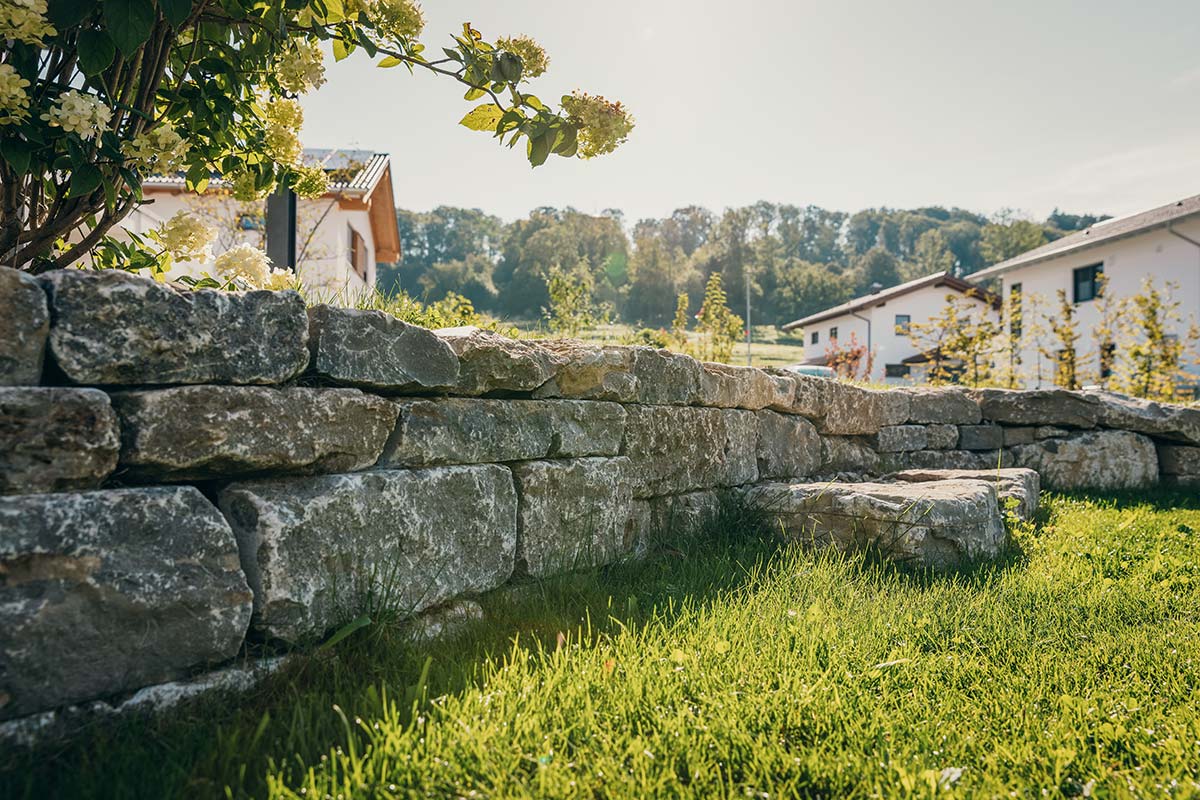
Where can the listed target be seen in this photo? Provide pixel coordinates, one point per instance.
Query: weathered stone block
(845, 454)
(588, 372)
(900, 438)
(853, 411)
(1178, 460)
(111, 327)
(317, 551)
(1092, 460)
(1022, 487)
(788, 446)
(24, 326)
(376, 351)
(666, 378)
(473, 431)
(572, 513)
(980, 437)
(675, 450)
(1038, 407)
(104, 592)
(197, 432)
(671, 518)
(1022, 435)
(941, 437)
(493, 364)
(783, 393)
(941, 525)
(1050, 432)
(947, 405)
(725, 386)
(959, 459)
(1163, 420)
(896, 406)
(54, 440)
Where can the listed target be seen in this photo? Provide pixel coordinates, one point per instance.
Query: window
(903, 323)
(1087, 282)
(816, 337)
(1014, 310)
(896, 370)
(833, 334)
(357, 252)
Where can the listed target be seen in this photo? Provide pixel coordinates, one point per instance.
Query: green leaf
(483, 118)
(389, 61)
(69, 13)
(84, 180)
(533, 102)
(176, 11)
(129, 22)
(474, 94)
(568, 142)
(344, 631)
(341, 49)
(96, 51)
(539, 148)
(17, 154)
(197, 177)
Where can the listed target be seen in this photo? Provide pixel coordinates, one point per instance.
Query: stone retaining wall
(185, 472)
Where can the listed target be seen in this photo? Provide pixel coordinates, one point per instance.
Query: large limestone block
(104, 592)
(900, 438)
(572, 513)
(1020, 487)
(675, 450)
(845, 454)
(1162, 420)
(376, 351)
(958, 459)
(1092, 460)
(588, 372)
(941, 437)
(111, 327)
(725, 386)
(940, 525)
(665, 378)
(493, 364)
(320, 551)
(476, 431)
(663, 520)
(788, 446)
(783, 393)
(1178, 460)
(54, 440)
(197, 432)
(947, 405)
(1038, 407)
(24, 326)
(848, 410)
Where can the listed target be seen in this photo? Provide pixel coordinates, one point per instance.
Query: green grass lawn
(733, 667)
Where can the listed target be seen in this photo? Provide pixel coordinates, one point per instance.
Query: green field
(732, 666)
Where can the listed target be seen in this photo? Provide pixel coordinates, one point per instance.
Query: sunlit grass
(735, 667)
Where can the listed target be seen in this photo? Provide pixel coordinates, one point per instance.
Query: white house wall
(1157, 255)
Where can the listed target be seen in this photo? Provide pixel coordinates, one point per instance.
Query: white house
(880, 322)
(1162, 244)
(340, 236)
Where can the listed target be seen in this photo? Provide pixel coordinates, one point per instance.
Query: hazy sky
(1029, 104)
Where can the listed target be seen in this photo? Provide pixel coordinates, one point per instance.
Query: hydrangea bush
(97, 94)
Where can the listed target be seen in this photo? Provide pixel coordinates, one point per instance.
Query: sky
(846, 104)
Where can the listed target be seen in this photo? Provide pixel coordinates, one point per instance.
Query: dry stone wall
(186, 474)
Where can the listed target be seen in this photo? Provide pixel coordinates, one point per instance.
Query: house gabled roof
(881, 297)
(1107, 231)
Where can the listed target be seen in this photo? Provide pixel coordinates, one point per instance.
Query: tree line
(794, 260)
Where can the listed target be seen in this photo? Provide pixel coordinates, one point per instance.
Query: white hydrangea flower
(301, 68)
(160, 148)
(280, 279)
(25, 21)
(76, 112)
(14, 100)
(244, 262)
(283, 120)
(187, 237)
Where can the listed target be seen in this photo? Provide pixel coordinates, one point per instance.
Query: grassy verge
(736, 668)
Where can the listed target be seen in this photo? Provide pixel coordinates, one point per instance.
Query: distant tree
(959, 342)
(679, 323)
(932, 254)
(657, 273)
(877, 265)
(1004, 240)
(806, 288)
(572, 309)
(962, 239)
(1073, 222)
(470, 277)
(1152, 365)
(442, 236)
